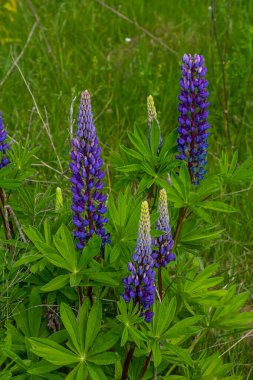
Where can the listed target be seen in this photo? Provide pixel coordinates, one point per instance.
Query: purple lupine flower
(4, 161)
(139, 285)
(192, 141)
(87, 179)
(164, 243)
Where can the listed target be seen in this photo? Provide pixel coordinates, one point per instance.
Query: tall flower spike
(58, 199)
(152, 116)
(151, 109)
(139, 285)
(164, 244)
(88, 201)
(192, 141)
(4, 161)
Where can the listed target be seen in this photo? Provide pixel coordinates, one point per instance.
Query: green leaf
(183, 327)
(104, 358)
(15, 357)
(82, 321)
(80, 372)
(47, 232)
(34, 312)
(124, 336)
(70, 323)
(64, 243)
(104, 342)
(154, 138)
(163, 315)
(181, 353)
(218, 206)
(53, 352)
(42, 367)
(93, 325)
(130, 168)
(157, 355)
(56, 283)
(96, 373)
(27, 259)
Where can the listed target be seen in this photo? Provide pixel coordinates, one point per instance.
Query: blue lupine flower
(192, 141)
(139, 285)
(88, 201)
(4, 161)
(164, 244)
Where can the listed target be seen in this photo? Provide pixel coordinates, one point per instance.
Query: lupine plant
(108, 279)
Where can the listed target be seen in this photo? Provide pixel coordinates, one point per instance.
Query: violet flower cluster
(192, 141)
(87, 179)
(139, 285)
(4, 161)
(164, 243)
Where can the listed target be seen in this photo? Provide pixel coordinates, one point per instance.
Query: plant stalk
(180, 221)
(160, 283)
(127, 363)
(145, 367)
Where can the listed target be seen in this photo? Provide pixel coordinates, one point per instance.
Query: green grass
(89, 50)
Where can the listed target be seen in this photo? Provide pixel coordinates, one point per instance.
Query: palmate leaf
(70, 323)
(182, 329)
(80, 372)
(93, 325)
(227, 314)
(41, 368)
(155, 136)
(53, 352)
(164, 313)
(34, 312)
(218, 206)
(95, 372)
(177, 354)
(56, 283)
(104, 358)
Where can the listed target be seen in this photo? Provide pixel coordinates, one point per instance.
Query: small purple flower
(88, 201)
(192, 141)
(139, 285)
(4, 161)
(164, 244)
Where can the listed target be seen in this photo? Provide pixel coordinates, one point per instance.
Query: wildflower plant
(139, 285)
(4, 147)
(149, 306)
(192, 141)
(163, 254)
(87, 178)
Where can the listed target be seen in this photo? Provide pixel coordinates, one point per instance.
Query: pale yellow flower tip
(58, 199)
(85, 94)
(145, 219)
(163, 196)
(151, 108)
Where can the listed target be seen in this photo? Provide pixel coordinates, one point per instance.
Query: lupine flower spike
(152, 116)
(139, 285)
(192, 141)
(4, 161)
(164, 244)
(88, 201)
(58, 199)
(151, 109)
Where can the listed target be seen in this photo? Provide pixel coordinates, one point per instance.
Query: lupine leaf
(53, 352)
(56, 283)
(93, 324)
(104, 358)
(34, 312)
(69, 320)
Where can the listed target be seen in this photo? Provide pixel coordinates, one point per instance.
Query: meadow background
(122, 51)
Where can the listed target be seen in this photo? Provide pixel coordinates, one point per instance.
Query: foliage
(62, 314)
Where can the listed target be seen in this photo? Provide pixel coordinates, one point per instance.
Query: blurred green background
(122, 51)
